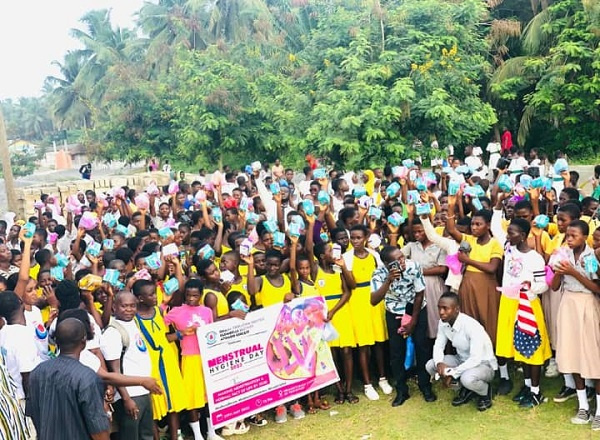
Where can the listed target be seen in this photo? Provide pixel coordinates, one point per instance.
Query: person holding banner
(303, 285)
(400, 284)
(186, 319)
(333, 286)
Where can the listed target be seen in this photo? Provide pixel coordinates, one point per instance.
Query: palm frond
(534, 37)
(525, 124)
(511, 68)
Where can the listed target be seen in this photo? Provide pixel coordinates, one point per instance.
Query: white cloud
(33, 33)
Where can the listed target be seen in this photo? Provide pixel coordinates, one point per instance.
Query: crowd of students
(499, 263)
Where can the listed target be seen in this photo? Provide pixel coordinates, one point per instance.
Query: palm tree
(110, 54)
(69, 102)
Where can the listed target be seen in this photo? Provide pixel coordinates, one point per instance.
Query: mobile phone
(394, 265)
(336, 251)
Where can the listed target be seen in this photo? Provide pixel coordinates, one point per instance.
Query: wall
(26, 196)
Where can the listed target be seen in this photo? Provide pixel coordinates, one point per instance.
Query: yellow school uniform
(46, 310)
(368, 321)
(270, 294)
(308, 290)
(242, 287)
(483, 253)
(165, 366)
(330, 287)
(593, 225)
(222, 305)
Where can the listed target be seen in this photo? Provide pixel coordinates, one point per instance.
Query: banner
(277, 354)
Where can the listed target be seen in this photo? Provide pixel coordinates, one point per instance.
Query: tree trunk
(9, 182)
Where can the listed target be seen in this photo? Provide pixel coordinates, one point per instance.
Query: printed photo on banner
(276, 355)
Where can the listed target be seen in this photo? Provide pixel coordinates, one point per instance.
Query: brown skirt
(480, 300)
(434, 288)
(550, 303)
(578, 341)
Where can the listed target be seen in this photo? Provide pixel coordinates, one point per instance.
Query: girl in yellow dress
(304, 286)
(333, 286)
(213, 298)
(368, 321)
(165, 368)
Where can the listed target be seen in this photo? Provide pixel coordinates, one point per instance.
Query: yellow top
(482, 253)
(363, 268)
(329, 284)
(557, 241)
(307, 290)
(222, 305)
(270, 294)
(242, 287)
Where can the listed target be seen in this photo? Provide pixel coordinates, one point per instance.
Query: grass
(417, 419)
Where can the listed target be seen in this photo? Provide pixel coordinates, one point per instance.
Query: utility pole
(9, 181)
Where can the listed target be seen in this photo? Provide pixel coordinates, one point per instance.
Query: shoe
(590, 393)
(371, 393)
(565, 394)
(280, 414)
(596, 423)
(485, 402)
(385, 386)
(505, 387)
(297, 412)
(429, 395)
(455, 385)
(531, 400)
(551, 369)
(236, 428)
(257, 420)
(464, 396)
(582, 417)
(521, 394)
(400, 399)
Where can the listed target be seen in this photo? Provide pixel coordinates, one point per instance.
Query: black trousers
(397, 344)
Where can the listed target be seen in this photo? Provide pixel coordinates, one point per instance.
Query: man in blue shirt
(65, 397)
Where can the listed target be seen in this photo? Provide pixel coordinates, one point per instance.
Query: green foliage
(558, 81)
(355, 82)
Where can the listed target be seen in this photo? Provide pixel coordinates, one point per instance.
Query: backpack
(124, 336)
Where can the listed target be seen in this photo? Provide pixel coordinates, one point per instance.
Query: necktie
(526, 336)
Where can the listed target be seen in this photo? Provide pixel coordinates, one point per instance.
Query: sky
(33, 33)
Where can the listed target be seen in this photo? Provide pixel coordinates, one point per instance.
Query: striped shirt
(66, 400)
(12, 418)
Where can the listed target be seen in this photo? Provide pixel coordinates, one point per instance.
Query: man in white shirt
(125, 352)
(474, 363)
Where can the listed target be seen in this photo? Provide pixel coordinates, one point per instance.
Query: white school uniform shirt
(517, 164)
(136, 360)
(21, 354)
(469, 338)
(450, 246)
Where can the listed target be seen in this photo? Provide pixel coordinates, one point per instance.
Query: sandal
(340, 398)
(257, 420)
(312, 410)
(324, 405)
(351, 398)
